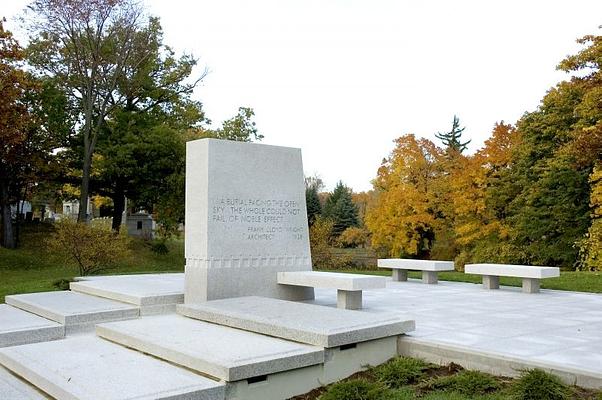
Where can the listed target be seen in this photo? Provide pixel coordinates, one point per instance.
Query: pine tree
(451, 139)
(340, 209)
(312, 200)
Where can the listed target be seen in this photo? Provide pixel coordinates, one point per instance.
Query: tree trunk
(118, 208)
(8, 238)
(82, 216)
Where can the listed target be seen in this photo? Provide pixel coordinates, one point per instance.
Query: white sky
(342, 78)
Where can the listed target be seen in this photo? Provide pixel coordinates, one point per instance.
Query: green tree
(140, 145)
(339, 207)
(452, 139)
(312, 199)
(86, 47)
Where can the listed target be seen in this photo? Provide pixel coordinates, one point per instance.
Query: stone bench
(531, 275)
(429, 268)
(349, 286)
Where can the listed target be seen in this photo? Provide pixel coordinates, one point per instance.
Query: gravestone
(246, 220)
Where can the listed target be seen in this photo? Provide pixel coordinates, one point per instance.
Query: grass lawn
(32, 269)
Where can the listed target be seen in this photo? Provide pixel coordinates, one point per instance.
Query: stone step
(21, 327)
(90, 368)
(300, 322)
(152, 293)
(222, 352)
(13, 388)
(76, 311)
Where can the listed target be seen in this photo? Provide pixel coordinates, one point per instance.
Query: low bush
(536, 384)
(467, 383)
(400, 371)
(357, 389)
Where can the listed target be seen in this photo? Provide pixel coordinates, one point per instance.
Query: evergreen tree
(340, 209)
(451, 139)
(312, 200)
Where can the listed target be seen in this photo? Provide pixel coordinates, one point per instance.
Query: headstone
(246, 220)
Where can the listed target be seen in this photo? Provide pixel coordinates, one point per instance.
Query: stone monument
(246, 220)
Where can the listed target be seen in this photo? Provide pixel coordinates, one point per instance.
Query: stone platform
(152, 293)
(320, 326)
(500, 331)
(21, 327)
(89, 368)
(75, 311)
(13, 388)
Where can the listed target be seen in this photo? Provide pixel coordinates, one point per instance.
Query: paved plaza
(556, 329)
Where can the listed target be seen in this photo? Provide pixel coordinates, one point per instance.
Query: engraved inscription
(259, 219)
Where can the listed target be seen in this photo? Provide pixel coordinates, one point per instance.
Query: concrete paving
(13, 388)
(320, 326)
(152, 293)
(89, 368)
(77, 312)
(558, 330)
(21, 327)
(225, 353)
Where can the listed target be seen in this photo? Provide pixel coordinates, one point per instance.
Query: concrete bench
(349, 286)
(429, 268)
(531, 275)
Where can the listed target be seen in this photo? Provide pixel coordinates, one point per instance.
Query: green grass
(31, 268)
(432, 382)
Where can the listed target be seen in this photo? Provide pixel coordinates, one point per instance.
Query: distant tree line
(98, 106)
(531, 195)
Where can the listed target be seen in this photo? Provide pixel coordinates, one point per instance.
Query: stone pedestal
(530, 285)
(491, 282)
(400, 275)
(429, 277)
(349, 299)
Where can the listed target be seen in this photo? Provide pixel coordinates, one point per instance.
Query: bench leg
(400, 275)
(530, 285)
(429, 277)
(349, 299)
(491, 282)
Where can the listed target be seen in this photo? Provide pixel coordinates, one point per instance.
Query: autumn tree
(402, 219)
(86, 46)
(452, 139)
(32, 121)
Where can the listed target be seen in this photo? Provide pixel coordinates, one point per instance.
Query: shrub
(61, 284)
(353, 237)
(159, 246)
(93, 247)
(400, 371)
(539, 385)
(319, 237)
(356, 389)
(467, 383)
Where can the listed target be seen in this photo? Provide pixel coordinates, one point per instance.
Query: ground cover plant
(404, 378)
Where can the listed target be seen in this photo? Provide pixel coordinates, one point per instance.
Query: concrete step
(76, 311)
(90, 368)
(13, 388)
(152, 293)
(21, 327)
(301, 322)
(225, 353)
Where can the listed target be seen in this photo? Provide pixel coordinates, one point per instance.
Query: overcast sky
(342, 79)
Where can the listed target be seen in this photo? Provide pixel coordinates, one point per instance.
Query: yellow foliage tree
(591, 246)
(402, 218)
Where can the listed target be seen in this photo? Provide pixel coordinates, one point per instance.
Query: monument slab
(75, 311)
(300, 322)
(219, 351)
(89, 368)
(21, 327)
(246, 220)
